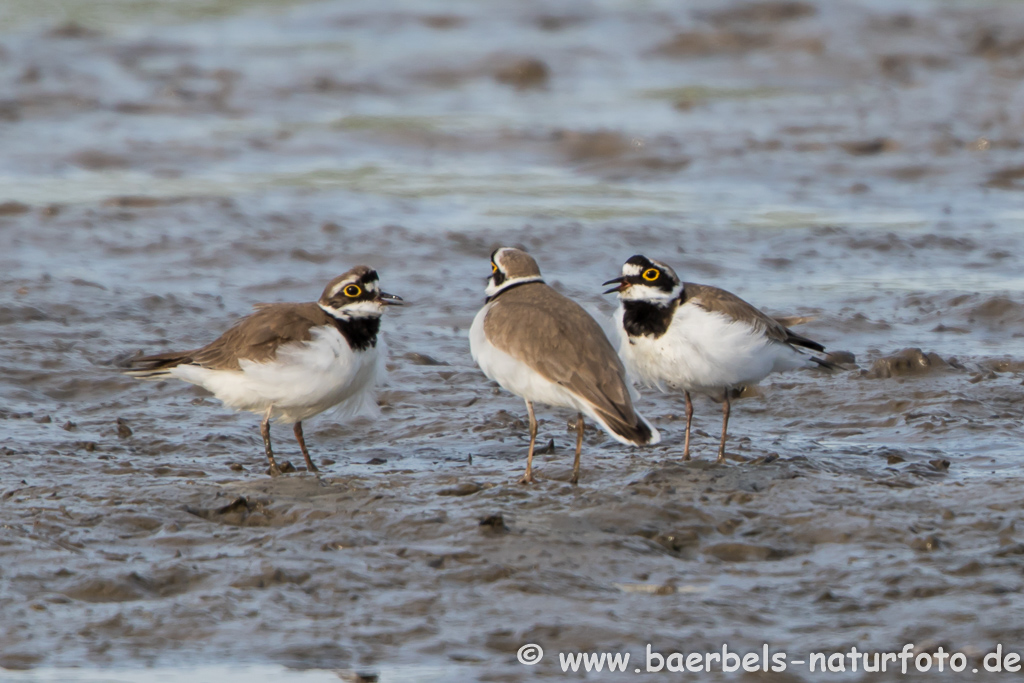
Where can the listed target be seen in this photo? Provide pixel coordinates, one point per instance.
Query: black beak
(623, 284)
(389, 299)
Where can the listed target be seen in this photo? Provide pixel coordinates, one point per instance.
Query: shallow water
(161, 170)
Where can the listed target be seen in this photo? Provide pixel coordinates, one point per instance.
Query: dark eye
(494, 268)
(651, 274)
(352, 291)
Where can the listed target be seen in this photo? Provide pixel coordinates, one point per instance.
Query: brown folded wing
(556, 337)
(255, 337)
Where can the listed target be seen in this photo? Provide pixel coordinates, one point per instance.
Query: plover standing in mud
(545, 348)
(292, 361)
(681, 336)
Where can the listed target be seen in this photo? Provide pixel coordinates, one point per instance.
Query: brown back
(256, 337)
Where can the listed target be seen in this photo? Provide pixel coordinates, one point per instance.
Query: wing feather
(255, 337)
(556, 337)
(258, 336)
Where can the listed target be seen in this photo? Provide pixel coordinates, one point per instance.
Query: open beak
(389, 299)
(621, 281)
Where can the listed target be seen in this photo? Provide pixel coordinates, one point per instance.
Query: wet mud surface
(161, 171)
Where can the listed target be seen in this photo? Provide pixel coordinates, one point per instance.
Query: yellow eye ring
(494, 268)
(651, 274)
(352, 291)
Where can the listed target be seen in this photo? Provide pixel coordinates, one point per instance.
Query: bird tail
(635, 432)
(795, 339)
(157, 366)
(798, 340)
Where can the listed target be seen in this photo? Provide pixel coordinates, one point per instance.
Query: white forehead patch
(630, 269)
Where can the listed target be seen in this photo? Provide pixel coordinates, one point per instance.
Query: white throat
(361, 309)
(647, 293)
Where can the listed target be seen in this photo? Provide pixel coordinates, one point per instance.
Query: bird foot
(527, 479)
(283, 468)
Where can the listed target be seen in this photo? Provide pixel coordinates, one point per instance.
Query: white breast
(704, 352)
(302, 381)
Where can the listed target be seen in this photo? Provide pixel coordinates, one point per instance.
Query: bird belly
(706, 352)
(302, 381)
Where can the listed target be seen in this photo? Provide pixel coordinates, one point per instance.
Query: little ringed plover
(291, 361)
(681, 336)
(543, 347)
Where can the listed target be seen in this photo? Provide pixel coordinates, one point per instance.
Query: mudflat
(164, 167)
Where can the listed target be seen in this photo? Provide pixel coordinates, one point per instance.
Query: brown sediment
(523, 73)
(770, 11)
(906, 363)
(1007, 178)
(14, 208)
(868, 147)
(693, 44)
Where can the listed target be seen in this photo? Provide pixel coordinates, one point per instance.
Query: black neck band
(360, 333)
(646, 319)
(513, 286)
